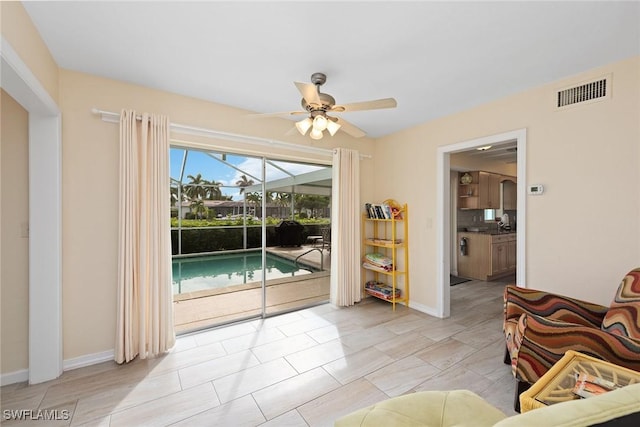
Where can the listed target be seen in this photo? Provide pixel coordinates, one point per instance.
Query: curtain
(345, 228)
(144, 296)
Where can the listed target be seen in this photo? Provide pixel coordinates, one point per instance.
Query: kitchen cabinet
(500, 259)
(511, 253)
(487, 256)
(479, 190)
(509, 194)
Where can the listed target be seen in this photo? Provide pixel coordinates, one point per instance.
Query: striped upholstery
(623, 317)
(518, 301)
(540, 327)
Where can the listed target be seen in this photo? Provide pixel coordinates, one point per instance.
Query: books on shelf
(381, 290)
(382, 211)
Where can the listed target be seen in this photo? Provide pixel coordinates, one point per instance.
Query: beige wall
(90, 183)
(582, 235)
(14, 246)
(18, 29)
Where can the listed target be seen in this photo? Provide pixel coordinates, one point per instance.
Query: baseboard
(67, 365)
(14, 377)
(424, 309)
(87, 360)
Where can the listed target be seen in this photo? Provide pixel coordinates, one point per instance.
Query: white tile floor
(303, 368)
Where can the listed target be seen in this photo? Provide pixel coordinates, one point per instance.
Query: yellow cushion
(426, 408)
(464, 408)
(624, 401)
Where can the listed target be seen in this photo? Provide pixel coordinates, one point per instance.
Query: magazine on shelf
(589, 385)
(381, 290)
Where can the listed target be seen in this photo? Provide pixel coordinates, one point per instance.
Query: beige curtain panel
(144, 297)
(345, 228)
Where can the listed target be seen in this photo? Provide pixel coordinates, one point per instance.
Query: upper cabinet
(509, 194)
(479, 190)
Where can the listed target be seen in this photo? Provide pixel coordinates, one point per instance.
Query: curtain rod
(111, 117)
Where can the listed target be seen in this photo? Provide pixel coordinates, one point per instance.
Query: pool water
(220, 271)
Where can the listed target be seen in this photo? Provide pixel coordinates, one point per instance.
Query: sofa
(461, 408)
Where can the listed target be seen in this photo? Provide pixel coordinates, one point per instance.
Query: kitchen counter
(487, 255)
(491, 233)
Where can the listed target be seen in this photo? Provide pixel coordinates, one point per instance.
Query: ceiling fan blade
(347, 127)
(376, 104)
(266, 115)
(292, 131)
(309, 92)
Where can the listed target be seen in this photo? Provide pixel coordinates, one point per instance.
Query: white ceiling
(435, 58)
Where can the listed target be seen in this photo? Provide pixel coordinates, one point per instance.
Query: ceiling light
(315, 134)
(485, 148)
(320, 123)
(304, 125)
(333, 127)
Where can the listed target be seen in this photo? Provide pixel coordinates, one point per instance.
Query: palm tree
(198, 208)
(244, 182)
(255, 199)
(312, 202)
(213, 191)
(282, 200)
(196, 187)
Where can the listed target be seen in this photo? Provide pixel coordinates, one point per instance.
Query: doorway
(444, 207)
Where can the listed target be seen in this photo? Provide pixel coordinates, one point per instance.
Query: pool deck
(244, 302)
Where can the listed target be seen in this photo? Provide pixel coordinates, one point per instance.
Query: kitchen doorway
(444, 208)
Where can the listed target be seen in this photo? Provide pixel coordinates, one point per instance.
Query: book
(379, 212)
(387, 211)
(369, 209)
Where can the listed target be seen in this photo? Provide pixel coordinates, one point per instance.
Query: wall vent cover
(595, 90)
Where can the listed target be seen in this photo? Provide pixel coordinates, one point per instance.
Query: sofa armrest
(542, 342)
(520, 300)
(620, 407)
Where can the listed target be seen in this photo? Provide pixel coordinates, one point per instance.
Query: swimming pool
(220, 271)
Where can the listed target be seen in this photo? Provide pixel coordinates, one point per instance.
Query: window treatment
(144, 295)
(345, 229)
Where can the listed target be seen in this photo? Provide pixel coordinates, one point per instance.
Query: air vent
(596, 90)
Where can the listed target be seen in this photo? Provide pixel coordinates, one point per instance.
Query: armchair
(540, 327)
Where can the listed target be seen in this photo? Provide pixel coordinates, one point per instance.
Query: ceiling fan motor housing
(327, 101)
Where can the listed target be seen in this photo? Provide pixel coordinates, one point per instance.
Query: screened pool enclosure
(253, 227)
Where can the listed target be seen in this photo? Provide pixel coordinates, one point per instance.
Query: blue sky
(211, 169)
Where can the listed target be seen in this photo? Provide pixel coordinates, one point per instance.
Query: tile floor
(302, 368)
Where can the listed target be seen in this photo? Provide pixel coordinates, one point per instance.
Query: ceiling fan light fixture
(320, 123)
(304, 125)
(333, 127)
(315, 134)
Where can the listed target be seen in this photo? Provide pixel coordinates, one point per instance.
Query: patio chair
(326, 238)
(540, 327)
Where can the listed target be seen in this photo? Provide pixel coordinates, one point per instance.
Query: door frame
(444, 209)
(45, 231)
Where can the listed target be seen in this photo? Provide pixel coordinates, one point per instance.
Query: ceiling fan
(317, 104)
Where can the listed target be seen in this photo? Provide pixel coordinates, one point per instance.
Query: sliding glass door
(244, 236)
